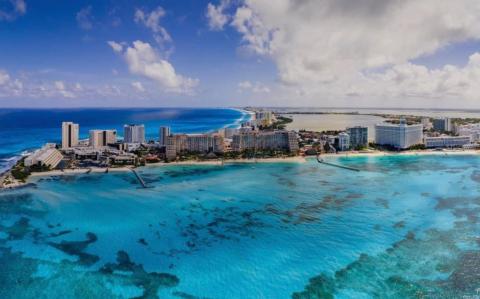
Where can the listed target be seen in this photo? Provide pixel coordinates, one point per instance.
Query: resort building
(442, 124)
(471, 130)
(271, 140)
(163, 133)
(194, 143)
(102, 138)
(343, 142)
(229, 132)
(134, 134)
(447, 141)
(47, 156)
(264, 118)
(70, 133)
(399, 136)
(358, 137)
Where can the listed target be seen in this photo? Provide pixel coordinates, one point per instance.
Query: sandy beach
(296, 159)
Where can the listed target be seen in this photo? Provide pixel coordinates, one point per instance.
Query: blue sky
(225, 53)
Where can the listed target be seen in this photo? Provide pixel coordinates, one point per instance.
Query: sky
(221, 53)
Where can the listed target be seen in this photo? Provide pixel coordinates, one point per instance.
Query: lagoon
(403, 226)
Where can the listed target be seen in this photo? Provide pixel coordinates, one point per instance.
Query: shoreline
(406, 153)
(296, 159)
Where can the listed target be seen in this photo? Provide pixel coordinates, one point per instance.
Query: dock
(139, 178)
(321, 161)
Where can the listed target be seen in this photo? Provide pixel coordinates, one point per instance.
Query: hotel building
(70, 132)
(264, 118)
(399, 136)
(163, 133)
(134, 134)
(343, 142)
(102, 138)
(48, 156)
(442, 124)
(195, 143)
(358, 137)
(271, 140)
(447, 141)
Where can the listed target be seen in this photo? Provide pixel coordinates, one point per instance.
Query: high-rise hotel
(70, 132)
(134, 134)
(399, 136)
(102, 138)
(164, 132)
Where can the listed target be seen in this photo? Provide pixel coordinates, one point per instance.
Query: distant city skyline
(223, 53)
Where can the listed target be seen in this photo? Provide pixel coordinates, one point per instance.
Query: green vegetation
(420, 146)
(20, 172)
(280, 124)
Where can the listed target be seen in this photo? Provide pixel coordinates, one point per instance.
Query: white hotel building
(70, 133)
(48, 155)
(134, 134)
(447, 141)
(399, 136)
(102, 138)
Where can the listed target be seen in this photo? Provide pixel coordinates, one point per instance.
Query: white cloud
(322, 40)
(329, 52)
(4, 77)
(115, 46)
(12, 9)
(216, 17)
(85, 18)
(62, 89)
(256, 87)
(151, 20)
(138, 86)
(143, 60)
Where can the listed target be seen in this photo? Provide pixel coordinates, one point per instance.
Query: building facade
(102, 138)
(447, 141)
(471, 130)
(163, 133)
(343, 142)
(271, 140)
(134, 134)
(48, 156)
(399, 136)
(442, 124)
(70, 133)
(194, 143)
(358, 137)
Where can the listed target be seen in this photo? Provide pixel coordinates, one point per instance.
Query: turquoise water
(403, 227)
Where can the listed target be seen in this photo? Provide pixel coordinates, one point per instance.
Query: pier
(321, 161)
(139, 178)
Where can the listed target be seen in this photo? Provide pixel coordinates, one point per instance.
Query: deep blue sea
(26, 129)
(402, 227)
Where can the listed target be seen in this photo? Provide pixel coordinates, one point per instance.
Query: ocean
(24, 130)
(402, 227)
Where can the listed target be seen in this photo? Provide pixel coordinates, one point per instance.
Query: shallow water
(403, 227)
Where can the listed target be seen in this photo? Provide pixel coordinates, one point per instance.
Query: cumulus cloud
(117, 47)
(216, 17)
(151, 20)
(256, 87)
(333, 50)
(143, 60)
(138, 86)
(322, 40)
(84, 18)
(12, 9)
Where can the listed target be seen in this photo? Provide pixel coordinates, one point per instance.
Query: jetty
(321, 161)
(139, 178)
